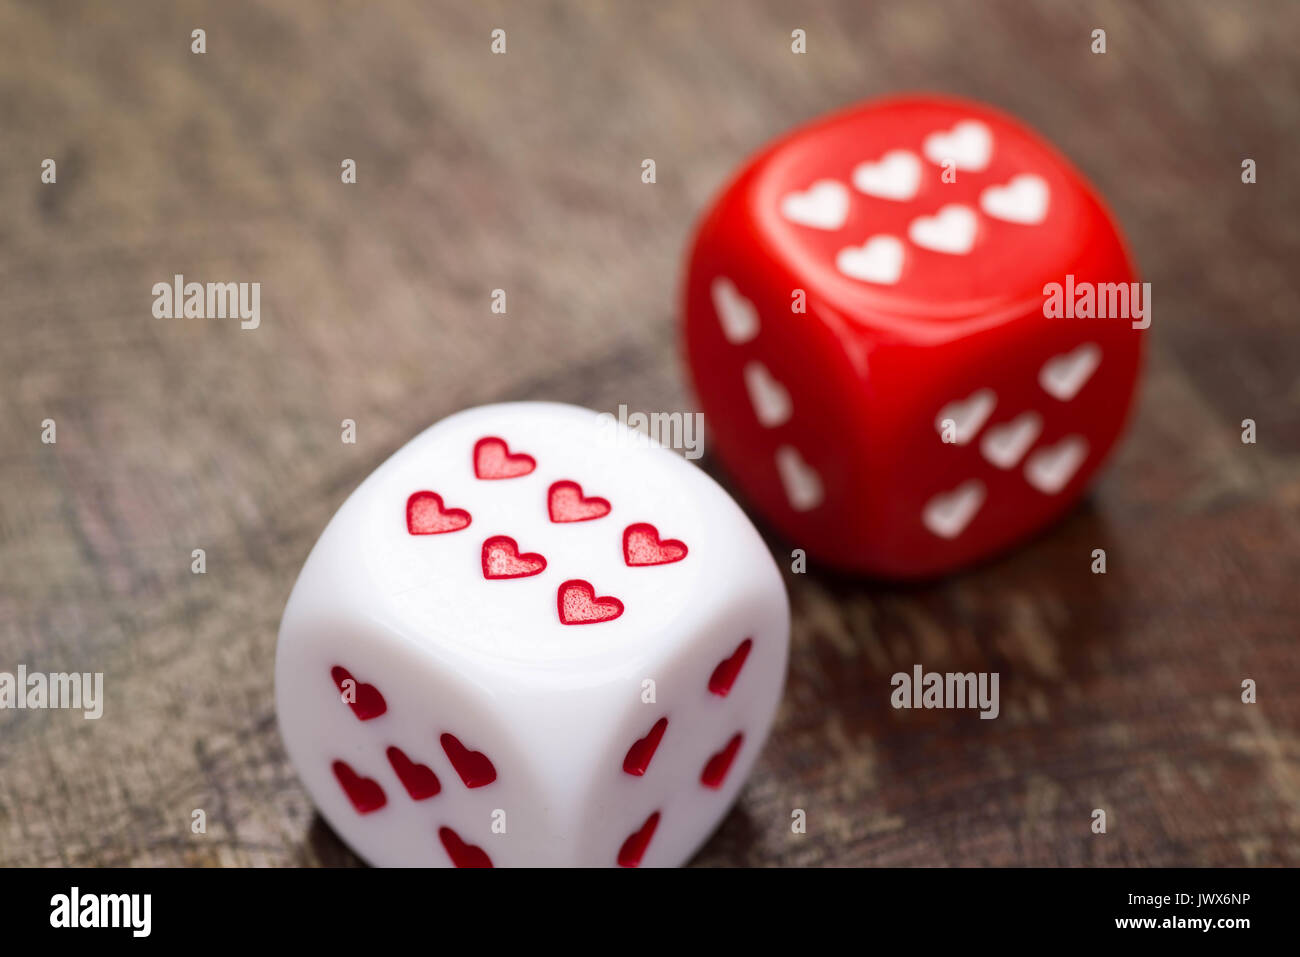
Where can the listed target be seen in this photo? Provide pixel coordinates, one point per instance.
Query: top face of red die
(917, 213)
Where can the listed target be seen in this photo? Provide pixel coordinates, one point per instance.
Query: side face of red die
(874, 337)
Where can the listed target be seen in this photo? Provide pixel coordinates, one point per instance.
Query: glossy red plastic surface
(924, 302)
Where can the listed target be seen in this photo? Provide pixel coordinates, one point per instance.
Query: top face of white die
(559, 540)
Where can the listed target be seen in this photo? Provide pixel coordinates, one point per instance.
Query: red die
(924, 411)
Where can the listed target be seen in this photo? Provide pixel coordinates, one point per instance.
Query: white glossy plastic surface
(555, 707)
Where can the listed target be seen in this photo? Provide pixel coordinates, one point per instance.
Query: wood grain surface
(522, 172)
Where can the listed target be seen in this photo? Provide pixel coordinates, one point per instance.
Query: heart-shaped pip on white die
(531, 637)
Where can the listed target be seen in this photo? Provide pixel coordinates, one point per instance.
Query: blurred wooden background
(523, 172)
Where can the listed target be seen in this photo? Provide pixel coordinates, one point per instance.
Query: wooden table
(522, 172)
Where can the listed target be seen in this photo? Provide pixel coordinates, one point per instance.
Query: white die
(398, 654)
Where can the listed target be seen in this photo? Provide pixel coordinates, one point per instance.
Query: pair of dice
(531, 639)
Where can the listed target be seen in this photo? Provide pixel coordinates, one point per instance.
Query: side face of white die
(531, 637)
